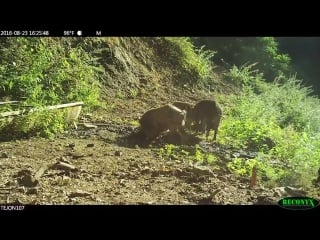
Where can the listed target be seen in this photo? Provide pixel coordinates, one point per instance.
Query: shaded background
(305, 55)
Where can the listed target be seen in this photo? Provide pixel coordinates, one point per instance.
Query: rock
(71, 145)
(235, 155)
(295, 192)
(288, 192)
(32, 190)
(4, 155)
(202, 170)
(86, 125)
(79, 193)
(26, 179)
(266, 200)
(118, 153)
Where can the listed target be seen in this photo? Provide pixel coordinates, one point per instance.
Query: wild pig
(188, 107)
(158, 120)
(207, 115)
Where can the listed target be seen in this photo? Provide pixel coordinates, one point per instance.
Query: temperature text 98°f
(68, 33)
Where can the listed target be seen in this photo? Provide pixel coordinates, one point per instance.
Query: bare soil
(101, 166)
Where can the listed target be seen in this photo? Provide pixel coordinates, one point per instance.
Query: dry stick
(253, 181)
(41, 171)
(63, 166)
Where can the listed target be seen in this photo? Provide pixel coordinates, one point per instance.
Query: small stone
(71, 145)
(4, 155)
(32, 190)
(118, 153)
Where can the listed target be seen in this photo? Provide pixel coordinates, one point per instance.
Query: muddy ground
(104, 173)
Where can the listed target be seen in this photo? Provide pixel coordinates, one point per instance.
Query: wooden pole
(19, 112)
(9, 102)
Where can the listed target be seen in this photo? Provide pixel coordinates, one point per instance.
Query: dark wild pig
(207, 115)
(158, 120)
(188, 107)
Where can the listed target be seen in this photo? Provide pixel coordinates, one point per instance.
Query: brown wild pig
(207, 115)
(188, 107)
(158, 120)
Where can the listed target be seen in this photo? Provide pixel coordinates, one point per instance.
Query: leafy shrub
(260, 50)
(278, 120)
(47, 71)
(197, 61)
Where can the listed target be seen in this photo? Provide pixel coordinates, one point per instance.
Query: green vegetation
(170, 151)
(42, 124)
(239, 51)
(195, 61)
(244, 75)
(243, 168)
(193, 154)
(278, 120)
(46, 71)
